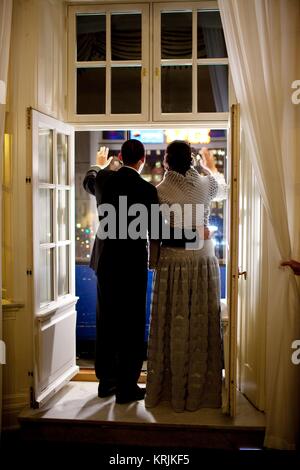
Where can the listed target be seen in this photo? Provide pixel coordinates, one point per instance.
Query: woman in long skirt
(185, 349)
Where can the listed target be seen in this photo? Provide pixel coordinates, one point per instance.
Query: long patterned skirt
(185, 349)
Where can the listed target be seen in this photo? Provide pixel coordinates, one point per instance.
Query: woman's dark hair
(179, 156)
(132, 151)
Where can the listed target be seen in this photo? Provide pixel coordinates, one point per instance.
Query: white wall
(36, 79)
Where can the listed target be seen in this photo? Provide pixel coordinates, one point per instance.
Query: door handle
(243, 273)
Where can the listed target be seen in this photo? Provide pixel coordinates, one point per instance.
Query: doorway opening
(87, 143)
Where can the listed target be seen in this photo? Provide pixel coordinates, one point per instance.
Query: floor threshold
(77, 414)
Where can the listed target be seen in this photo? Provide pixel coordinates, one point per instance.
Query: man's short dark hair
(132, 151)
(179, 156)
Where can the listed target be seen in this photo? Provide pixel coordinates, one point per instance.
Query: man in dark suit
(120, 263)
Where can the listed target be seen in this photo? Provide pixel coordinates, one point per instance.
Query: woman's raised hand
(208, 161)
(102, 158)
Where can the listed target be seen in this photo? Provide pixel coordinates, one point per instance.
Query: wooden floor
(77, 414)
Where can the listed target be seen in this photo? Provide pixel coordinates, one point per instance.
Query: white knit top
(191, 189)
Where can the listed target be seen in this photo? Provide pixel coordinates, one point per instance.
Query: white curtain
(262, 37)
(5, 28)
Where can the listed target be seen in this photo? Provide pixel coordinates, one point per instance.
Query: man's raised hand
(102, 159)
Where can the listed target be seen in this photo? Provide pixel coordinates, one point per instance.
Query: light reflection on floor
(79, 401)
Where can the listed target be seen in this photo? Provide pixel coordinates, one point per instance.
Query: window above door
(108, 63)
(190, 61)
(147, 62)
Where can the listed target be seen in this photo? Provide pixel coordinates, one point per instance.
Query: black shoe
(106, 390)
(127, 397)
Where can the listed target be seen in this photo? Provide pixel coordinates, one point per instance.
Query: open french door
(53, 256)
(230, 342)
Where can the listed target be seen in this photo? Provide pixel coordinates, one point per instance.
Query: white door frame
(233, 251)
(232, 125)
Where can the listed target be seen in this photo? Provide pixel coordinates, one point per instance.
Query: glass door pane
(210, 36)
(63, 270)
(62, 159)
(46, 276)
(126, 90)
(126, 36)
(45, 215)
(176, 89)
(176, 35)
(91, 88)
(91, 37)
(212, 83)
(63, 215)
(45, 155)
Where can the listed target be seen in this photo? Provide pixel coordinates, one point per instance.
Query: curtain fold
(5, 29)
(262, 38)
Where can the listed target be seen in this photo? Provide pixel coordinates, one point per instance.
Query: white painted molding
(2, 352)
(10, 310)
(2, 92)
(8, 305)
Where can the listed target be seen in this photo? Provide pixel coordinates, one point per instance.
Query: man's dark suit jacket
(121, 268)
(107, 186)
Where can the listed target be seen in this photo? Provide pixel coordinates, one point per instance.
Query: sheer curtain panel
(262, 37)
